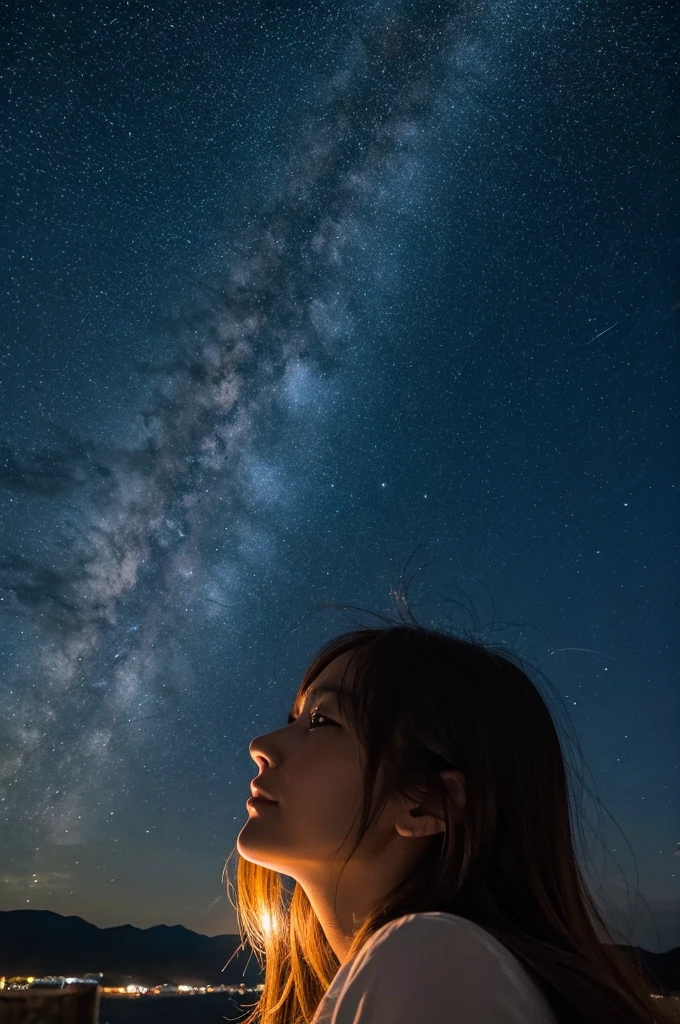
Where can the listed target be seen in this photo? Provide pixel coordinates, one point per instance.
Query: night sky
(293, 293)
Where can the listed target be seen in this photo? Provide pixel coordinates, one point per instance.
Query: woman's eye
(316, 713)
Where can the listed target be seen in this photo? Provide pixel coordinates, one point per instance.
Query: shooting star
(604, 332)
(586, 649)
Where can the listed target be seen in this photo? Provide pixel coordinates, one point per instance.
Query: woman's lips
(260, 801)
(257, 790)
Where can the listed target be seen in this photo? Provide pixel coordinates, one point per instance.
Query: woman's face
(313, 769)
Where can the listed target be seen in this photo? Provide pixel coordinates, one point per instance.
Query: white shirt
(433, 967)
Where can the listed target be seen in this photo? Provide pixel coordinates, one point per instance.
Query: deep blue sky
(289, 293)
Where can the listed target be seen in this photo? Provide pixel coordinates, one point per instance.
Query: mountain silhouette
(40, 942)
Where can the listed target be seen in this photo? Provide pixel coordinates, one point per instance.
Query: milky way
(269, 332)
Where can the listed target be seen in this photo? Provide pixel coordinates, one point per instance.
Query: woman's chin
(252, 851)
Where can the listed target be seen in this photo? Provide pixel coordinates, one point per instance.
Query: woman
(418, 806)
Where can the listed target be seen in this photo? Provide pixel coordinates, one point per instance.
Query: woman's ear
(424, 816)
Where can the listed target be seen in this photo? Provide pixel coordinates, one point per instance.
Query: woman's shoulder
(435, 926)
(441, 935)
(434, 960)
(437, 939)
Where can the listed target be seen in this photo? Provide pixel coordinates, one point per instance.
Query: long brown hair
(421, 701)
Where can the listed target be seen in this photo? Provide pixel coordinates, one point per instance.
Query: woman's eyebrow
(314, 691)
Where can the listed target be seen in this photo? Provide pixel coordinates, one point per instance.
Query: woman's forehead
(331, 680)
(335, 671)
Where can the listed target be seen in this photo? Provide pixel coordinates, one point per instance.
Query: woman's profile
(409, 856)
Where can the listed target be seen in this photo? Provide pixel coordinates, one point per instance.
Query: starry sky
(295, 295)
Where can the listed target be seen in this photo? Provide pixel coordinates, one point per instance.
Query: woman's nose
(256, 752)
